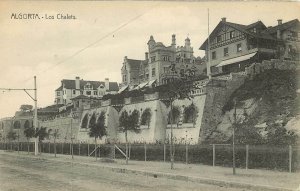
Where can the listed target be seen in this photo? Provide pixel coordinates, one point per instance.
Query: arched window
(190, 114)
(84, 122)
(17, 125)
(26, 124)
(175, 115)
(92, 121)
(146, 117)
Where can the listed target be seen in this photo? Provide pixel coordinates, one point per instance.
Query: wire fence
(282, 158)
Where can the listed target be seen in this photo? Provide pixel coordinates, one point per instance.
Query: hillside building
(161, 64)
(72, 88)
(234, 46)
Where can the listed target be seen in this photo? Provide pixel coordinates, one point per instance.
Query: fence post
(145, 151)
(79, 149)
(88, 153)
(114, 152)
(70, 148)
(214, 154)
(129, 150)
(99, 150)
(186, 153)
(62, 148)
(247, 156)
(290, 158)
(49, 147)
(21, 146)
(164, 152)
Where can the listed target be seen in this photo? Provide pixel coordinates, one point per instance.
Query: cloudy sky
(94, 45)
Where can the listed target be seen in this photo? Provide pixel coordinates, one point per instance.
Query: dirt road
(40, 175)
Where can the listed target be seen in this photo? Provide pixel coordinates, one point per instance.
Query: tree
(129, 123)
(190, 114)
(97, 128)
(146, 117)
(11, 136)
(26, 108)
(178, 88)
(17, 125)
(41, 133)
(29, 132)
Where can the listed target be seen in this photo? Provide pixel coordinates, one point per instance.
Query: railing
(281, 157)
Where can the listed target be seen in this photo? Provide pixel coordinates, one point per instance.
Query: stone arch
(84, 122)
(26, 124)
(17, 125)
(92, 120)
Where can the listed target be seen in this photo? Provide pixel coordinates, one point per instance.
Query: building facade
(232, 47)
(161, 64)
(72, 88)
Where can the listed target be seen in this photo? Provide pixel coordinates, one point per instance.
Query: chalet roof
(239, 27)
(70, 84)
(283, 26)
(59, 89)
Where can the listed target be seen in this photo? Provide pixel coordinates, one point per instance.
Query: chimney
(173, 40)
(146, 56)
(77, 83)
(278, 29)
(106, 83)
(223, 19)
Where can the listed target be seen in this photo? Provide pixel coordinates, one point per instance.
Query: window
(166, 69)
(95, 93)
(239, 47)
(226, 51)
(74, 91)
(153, 72)
(254, 30)
(81, 92)
(147, 76)
(166, 58)
(88, 92)
(58, 93)
(124, 78)
(219, 38)
(181, 72)
(231, 34)
(214, 55)
(152, 58)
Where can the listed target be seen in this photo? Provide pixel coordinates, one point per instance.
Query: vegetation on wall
(175, 115)
(85, 121)
(190, 114)
(129, 122)
(97, 126)
(274, 91)
(146, 117)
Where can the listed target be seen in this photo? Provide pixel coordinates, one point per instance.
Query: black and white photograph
(149, 95)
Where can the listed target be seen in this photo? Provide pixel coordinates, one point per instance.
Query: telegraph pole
(36, 143)
(208, 49)
(35, 120)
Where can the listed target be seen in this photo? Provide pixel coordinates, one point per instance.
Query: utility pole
(36, 143)
(208, 49)
(233, 141)
(35, 121)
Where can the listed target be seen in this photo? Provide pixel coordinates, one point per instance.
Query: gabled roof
(239, 27)
(59, 89)
(283, 26)
(113, 86)
(70, 84)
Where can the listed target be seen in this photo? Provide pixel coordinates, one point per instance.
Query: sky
(93, 45)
